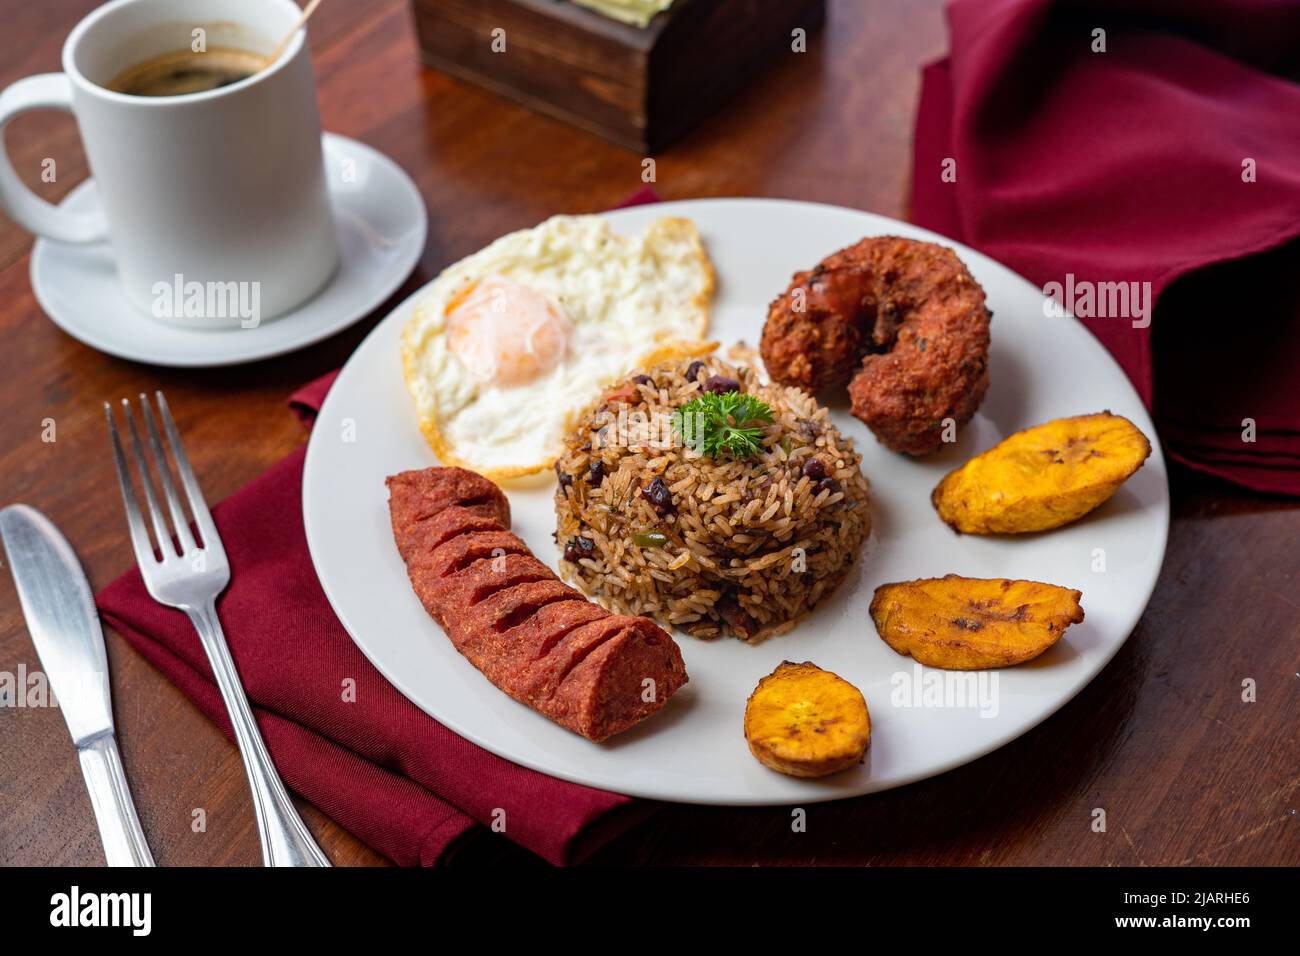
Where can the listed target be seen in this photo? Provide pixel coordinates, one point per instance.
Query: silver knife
(64, 626)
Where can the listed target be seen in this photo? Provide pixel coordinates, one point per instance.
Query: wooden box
(640, 88)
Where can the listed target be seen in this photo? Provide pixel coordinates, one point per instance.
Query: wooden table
(1186, 771)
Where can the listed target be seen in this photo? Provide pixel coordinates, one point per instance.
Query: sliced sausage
(534, 637)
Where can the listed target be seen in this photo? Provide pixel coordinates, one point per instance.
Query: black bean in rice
(742, 547)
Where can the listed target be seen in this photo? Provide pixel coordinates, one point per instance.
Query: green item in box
(639, 13)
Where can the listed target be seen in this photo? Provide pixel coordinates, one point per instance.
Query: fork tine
(164, 473)
(198, 507)
(160, 530)
(144, 555)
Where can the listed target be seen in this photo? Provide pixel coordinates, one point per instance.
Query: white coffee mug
(206, 196)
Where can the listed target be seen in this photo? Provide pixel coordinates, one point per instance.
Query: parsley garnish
(731, 422)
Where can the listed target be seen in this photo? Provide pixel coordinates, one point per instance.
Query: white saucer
(381, 223)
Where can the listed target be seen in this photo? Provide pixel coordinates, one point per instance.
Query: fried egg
(508, 346)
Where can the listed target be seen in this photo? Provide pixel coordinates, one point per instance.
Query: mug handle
(45, 91)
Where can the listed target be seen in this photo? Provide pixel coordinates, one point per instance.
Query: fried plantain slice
(1042, 477)
(966, 624)
(806, 722)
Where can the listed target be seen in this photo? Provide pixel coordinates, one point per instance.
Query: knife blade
(61, 619)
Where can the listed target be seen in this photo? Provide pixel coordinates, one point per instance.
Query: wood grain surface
(1162, 740)
(639, 88)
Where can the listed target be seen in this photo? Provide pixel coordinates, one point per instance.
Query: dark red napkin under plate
(340, 734)
(1127, 165)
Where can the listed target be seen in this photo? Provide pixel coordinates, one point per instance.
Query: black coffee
(184, 71)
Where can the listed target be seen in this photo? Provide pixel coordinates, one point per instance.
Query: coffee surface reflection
(184, 71)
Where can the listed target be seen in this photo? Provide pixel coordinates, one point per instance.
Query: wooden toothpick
(306, 13)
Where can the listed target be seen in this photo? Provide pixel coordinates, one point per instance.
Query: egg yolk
(505, 332)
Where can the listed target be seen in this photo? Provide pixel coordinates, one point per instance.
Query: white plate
(693, 750)
(381, 226)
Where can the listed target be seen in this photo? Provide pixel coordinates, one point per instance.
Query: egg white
(631, 301)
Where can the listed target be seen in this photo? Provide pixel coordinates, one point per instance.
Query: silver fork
(191, 581)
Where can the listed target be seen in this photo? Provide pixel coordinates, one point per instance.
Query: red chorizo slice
(431, 490)
(504, 611)
(410, 509)
(520, 647)
(460, 552)
(620, 683)
(540, 679)
(430, 533)
(536, 637)
(492, 619)
(506, 654)
(422, 581)
(485, 577)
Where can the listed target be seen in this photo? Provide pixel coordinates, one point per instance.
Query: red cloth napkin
(376, 763)
(340, 734)
(1127, 166)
